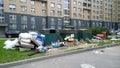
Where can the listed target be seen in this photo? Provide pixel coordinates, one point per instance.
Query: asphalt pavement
(108, 57)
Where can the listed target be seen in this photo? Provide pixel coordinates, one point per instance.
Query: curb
(6, 65)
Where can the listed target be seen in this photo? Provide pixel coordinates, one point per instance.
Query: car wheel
(9, 36)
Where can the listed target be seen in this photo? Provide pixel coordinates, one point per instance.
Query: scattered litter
(99, 52)
(87, 66)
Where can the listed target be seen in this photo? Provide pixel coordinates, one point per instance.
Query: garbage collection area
(51, 41)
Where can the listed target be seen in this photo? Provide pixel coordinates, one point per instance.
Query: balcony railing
(3, 24)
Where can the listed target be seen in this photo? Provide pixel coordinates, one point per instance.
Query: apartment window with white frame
(75, 2)
(43, 4)
(23, 8)
(12, 7)
(79, 9)
(59, 6)
(23, 1)
(79, 3)
(43, 12)
(52, 5)
(79, 15)
(32, 10)
(32, 2)
(74, 9)
(52, 12)
(74, 15)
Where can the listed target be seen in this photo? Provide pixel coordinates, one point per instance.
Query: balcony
(84, 7)
(3, 24)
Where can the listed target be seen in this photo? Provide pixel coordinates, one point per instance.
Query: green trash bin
(68, 32)
(84, 34)
(51, 35)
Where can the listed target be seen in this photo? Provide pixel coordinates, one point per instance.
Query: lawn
(14, 55)
(108, 42)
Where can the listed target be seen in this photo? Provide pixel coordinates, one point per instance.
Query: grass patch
(14, 55)
(108, 42)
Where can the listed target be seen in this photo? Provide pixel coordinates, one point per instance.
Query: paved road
(102, 58)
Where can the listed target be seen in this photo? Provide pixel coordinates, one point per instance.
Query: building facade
(28, 15)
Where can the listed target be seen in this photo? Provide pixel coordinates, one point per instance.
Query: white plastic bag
(10, 44)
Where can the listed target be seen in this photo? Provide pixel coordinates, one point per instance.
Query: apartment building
(3, 25)
(116, 13)
(27, 15)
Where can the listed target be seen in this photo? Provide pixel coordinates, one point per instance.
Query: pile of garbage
(27, 41)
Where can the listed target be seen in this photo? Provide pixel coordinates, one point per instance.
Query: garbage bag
(42, 49)
(10, 44)
(25, 35)
(56, 45)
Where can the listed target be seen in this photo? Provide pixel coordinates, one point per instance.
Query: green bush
(99, 30)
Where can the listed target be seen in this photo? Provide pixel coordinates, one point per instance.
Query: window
(59, 0)
(80, 24)
(12, 17)
(32, 2)
(12, 7)
(59, 13)
(43, 4)
(52, 12)
(75, 2)
(23, 8)
(74, 15)
(52, 23)
(33, 24)
(12, 26)
(52, 5)
(59, 23)
(79, 3)
(23, 22)
(79, 9)
(59, 6)
(43, 21)
(12, 21)
(79, 15)
(23, 1)
(43, 12)
(74, 9)
(32, 10)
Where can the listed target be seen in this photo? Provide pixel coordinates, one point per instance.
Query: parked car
(12, 33)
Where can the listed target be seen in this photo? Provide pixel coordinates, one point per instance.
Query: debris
(10, 44)
(87, 66)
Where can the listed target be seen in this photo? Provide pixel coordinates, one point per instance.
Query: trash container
(84, 34)
(68, 32)
(51, 35)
